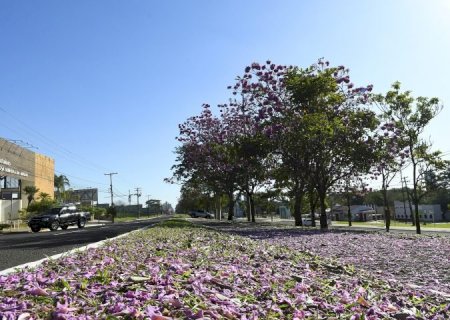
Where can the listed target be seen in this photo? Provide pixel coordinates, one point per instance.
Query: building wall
(6, 214)
(30, 168)
(427, 212)
(44, 168)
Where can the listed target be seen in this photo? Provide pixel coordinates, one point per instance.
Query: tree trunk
(416, 214)
(387, 211)
(298, 197)
(220, 208)
(247, 204)
(230, 206)
(349, 211)
(312, 208)
(415, 196)
(252, 207)
(323, 213)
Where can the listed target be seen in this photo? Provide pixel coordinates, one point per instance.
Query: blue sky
(101, 86)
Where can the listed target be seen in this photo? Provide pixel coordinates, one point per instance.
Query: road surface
(20, 248)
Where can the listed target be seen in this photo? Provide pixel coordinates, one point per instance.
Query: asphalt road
(20, 248)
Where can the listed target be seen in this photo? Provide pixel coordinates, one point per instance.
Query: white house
(427, 212)
(358, 212)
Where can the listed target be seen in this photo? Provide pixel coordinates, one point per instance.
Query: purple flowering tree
(207, 155)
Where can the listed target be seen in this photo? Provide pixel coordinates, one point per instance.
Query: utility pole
(129, 198)
(138, 194)
(111, 186)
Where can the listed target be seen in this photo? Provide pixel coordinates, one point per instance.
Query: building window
(9, 183)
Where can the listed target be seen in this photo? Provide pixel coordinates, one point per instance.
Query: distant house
(358, 212)
(427, 212)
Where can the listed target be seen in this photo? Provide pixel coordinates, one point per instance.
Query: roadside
(20, 248)
(23, 227)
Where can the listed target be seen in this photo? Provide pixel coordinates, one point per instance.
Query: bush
(24, 214)
(4, 225)
(38, 207)
(112, 212)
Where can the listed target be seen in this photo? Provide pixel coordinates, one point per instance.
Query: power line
(68, 154)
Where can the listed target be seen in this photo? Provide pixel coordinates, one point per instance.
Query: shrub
(112, 212)
(39, 207)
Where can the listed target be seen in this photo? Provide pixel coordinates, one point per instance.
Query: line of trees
(306, 132)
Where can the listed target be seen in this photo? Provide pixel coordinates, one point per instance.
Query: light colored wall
(432, 211)
(5, 209)
(44, 174)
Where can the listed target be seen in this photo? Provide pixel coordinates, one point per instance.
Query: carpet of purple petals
(195, 273)
(416, 261)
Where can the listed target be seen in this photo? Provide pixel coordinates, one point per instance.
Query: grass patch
(177, 223)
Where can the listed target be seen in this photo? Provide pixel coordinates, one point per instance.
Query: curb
(7, 232)
(34, 264)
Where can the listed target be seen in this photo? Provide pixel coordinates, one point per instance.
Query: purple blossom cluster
(196, 273)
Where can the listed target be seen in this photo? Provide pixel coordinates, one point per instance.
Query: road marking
(67, 232)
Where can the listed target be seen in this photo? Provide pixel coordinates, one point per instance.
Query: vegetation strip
(180, 271)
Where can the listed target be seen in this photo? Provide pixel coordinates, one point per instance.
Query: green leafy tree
(390, 152)
(30, 191)
(43, 196)
(412, 115)
(337, 125)
(60, 183)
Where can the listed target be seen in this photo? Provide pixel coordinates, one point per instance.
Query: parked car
(307, 222)
(201, 214)
(62, 216)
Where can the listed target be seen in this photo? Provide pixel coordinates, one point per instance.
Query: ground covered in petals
(177, 271)
(416, 261)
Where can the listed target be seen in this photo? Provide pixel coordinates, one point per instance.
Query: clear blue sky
(101, 86)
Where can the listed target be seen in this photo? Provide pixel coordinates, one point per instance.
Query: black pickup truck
(63, 216)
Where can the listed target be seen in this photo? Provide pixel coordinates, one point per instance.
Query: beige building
(20, 167)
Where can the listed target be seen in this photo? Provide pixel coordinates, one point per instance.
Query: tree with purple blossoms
(207, 155)
(250, 145)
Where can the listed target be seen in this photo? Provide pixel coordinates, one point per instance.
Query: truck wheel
(81, 223)
(54, 226)
(64, 227)
(35, 229)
